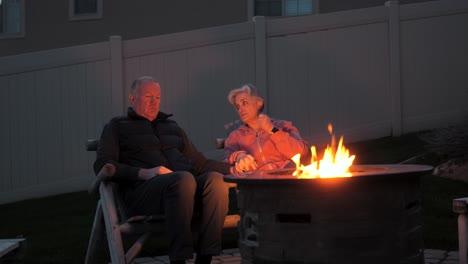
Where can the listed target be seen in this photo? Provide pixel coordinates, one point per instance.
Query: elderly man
(159, 170)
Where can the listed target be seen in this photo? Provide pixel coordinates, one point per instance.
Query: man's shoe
(177, 261)
(203, 259)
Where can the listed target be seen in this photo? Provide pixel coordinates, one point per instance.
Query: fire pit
(371, 217)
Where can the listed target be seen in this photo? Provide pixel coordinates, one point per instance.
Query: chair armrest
(104, 174)
(92, 144)
(460, 206)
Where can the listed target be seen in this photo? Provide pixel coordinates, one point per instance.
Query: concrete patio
(232, 256)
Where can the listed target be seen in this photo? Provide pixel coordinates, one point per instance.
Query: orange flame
(335, 162)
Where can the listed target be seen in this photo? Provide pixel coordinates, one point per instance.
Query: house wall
(47, 23)
(327, 6)
(372, 72)
(48, 26)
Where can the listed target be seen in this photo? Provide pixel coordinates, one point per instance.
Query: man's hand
(245, 162)
(146, 174)
(106, 172)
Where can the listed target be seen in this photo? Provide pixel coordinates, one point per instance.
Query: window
(285, 7)
(11, 18)
(268, 8)
(297, 7)
(85, 9)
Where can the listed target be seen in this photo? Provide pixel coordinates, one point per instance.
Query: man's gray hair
(140, 81)
(249, 89)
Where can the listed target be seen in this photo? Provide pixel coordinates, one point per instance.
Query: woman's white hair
(249, 89)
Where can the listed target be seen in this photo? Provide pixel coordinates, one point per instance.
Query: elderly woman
(260, 143)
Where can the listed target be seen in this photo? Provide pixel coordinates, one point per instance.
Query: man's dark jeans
(176, 195)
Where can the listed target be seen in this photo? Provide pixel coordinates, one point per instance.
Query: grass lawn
(57, 228)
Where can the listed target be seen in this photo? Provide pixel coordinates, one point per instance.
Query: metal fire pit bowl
(372, 217)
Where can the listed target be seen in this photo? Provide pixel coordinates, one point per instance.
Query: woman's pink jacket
(271, 151)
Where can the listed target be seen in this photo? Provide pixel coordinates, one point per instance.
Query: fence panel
(51, 108)
(434, 64)
(195, 79)
(337, 76)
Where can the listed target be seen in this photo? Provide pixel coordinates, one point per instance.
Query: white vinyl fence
(373, 72)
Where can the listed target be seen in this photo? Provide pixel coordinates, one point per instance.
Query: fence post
(116, 75)
(394, 59)
(250, 9)
(260, 57)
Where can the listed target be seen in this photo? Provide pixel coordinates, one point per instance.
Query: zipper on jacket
(261, 151)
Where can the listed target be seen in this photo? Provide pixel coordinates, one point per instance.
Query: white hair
(140, 82)
(249, 89)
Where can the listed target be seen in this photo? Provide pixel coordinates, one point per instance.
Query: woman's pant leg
(171, 194)
(212, 201)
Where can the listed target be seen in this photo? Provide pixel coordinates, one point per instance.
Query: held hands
(245, 162)
(147, 174)
(264, 123)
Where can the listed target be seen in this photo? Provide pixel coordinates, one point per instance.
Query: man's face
(146, 100)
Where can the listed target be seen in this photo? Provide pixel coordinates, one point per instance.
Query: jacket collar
(245, 127)
(133, 115)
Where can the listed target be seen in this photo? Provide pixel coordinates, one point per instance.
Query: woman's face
(247, 107)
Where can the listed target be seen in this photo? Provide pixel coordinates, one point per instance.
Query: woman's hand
(264, 123)
(245, 162)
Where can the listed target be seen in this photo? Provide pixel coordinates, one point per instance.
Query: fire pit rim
(363, 172)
